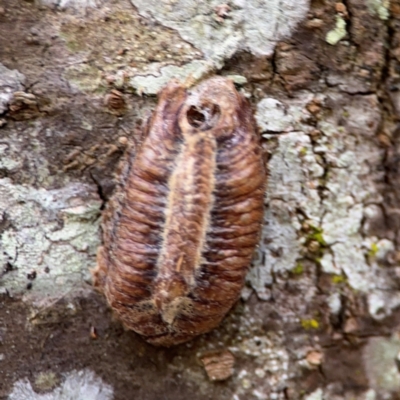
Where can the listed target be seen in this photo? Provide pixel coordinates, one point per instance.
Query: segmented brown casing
(180, 232)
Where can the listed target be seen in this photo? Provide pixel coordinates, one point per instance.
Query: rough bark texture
(319, 317)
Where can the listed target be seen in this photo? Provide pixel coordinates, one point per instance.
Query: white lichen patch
(158, 76)
(292, 185)
(316, 395)
(73, 4)
(251, 25)
(269, 371)
(77, 385)
(49, 238)
(273, 116)
(8, 161)
(327, 184)
(10, 81)
(380, 355)
(335, 303)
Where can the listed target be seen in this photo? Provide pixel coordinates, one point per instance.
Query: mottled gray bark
(319, 318)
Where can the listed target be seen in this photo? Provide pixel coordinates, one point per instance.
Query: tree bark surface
(319, 318)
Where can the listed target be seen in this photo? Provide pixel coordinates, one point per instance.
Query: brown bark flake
(218, 365)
